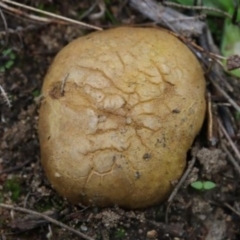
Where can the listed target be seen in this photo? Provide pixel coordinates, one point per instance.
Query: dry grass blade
(16, 168)
(225, 133)
(51, 220)
(179, 184)
(232, 209)
(228, 98)
(5, 97)
(212, 123)
(69, 20)
(15, 11)
(224, 147)
(231, 158)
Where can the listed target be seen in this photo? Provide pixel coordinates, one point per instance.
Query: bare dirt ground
(193, 214)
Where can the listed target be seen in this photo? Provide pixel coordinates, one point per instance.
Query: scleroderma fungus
(121, 109)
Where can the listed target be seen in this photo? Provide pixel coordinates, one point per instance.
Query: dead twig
(224, 93)
(225, 133)
(232, 209)
(231, 158)
(16, 168)
(5, 97)
(49, 219)
(212, 124)
(65, 19)
(17, 12)
(207, 53)
(179, 184)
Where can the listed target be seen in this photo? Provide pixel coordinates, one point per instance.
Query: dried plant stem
(179, 184)
(212, 123)
(232, 209)
(229, 99)
(49, 219)
(16, 168)
(213, 56)
(4, 94)
(17, 12)
(225, 133)
(231, 158)
(51, 15)
(184, 177)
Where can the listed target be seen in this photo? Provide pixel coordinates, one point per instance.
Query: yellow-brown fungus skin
(121, 109)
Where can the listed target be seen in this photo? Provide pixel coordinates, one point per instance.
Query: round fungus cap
(121, 108)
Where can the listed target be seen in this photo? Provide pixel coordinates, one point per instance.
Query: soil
(194, 214)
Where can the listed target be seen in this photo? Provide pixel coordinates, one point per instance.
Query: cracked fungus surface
(121, 108)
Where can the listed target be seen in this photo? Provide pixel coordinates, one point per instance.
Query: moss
(119, 233)
(13, 186)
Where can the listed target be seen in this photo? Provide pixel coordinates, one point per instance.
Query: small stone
(152, 234)
(83, 228)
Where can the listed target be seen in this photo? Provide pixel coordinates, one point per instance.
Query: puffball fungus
(121, 109)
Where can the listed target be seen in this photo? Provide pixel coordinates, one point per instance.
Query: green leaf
(197, 185)
(36, 93)
(9, 64)
(6, 51)
(208, 185)
(231, 42)
(237, 115)
(13, 186)
(120, 233)
(224, 5)
(12, 56)
(109, 16)
(2, 69)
